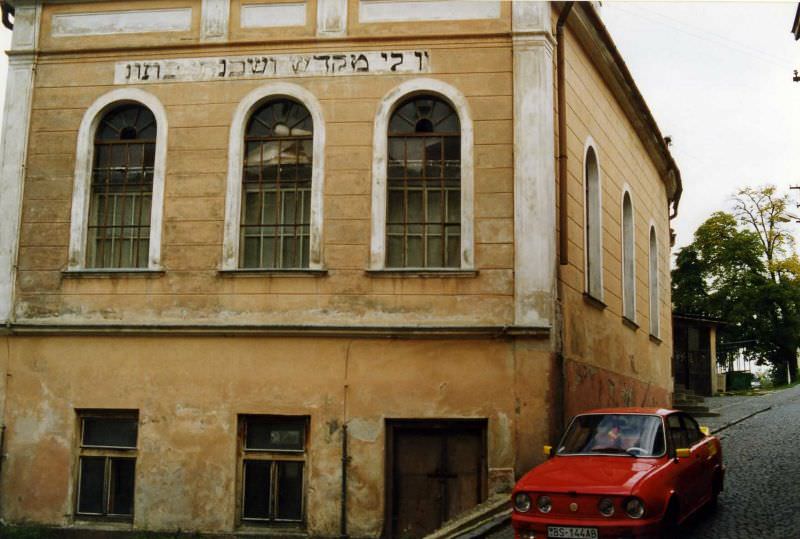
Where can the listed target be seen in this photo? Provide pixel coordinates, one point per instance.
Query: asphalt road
(762, 483)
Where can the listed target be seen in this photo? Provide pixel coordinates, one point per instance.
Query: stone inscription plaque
(269, 66)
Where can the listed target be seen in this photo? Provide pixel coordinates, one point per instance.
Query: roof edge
(796, 25)
(599, 45)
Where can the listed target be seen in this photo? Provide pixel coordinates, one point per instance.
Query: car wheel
(669, 523)
(716, 488)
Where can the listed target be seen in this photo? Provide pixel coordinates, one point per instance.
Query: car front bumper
(535, 527)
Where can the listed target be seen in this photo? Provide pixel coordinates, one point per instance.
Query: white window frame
(82, 187)
(594, 206)
(654, 281)
(628, 281)
(387, 106)
(233, 197)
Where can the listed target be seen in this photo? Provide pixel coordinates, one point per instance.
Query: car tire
(669, 522)
(716, 488)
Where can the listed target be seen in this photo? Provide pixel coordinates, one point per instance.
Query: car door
(699, 444)
(687, 482)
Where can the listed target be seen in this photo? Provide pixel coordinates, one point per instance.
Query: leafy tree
(742, 269)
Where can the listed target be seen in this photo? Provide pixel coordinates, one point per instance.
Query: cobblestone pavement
(762, 491)
(762, 483)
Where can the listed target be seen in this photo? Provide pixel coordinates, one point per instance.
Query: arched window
(276, 187)
(423, 209)
(628, 263)
(594, 234)
(118, 230)
(654, 311)
(118, 188)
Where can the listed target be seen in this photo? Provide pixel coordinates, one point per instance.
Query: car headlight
(522, 502)
(634, 507)
(606, 507)
(544, 504)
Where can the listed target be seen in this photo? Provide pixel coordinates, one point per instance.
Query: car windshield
(616, 434)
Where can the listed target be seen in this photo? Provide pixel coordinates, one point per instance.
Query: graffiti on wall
(276, 65)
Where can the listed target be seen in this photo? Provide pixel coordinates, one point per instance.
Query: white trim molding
(426, 10)
(14, 145)
(654, 281)
(233, 197)
(215, 15)
(387, 106)
(628, 256)
(84, 157)
(331, 18)
(593, 261)
(273, 15)
(534, 166)
(137, 21)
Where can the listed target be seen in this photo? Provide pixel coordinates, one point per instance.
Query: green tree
(741, 268)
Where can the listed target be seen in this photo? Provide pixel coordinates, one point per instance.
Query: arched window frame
(654, 282)
(628, 257)
(233, 197)
(595, 205)
(84, 159)
(387, 106)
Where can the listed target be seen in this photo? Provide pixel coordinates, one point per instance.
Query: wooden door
(437, 472)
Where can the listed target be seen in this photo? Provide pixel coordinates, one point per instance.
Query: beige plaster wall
(634, 368)
(188, 392)
(199, 117)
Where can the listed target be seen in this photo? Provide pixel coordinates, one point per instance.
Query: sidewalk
(734, 409)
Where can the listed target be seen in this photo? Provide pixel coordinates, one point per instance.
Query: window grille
(276, 201)
(122, 189)
(423, 218)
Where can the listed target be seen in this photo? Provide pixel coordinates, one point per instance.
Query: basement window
(272, 466)
(107, 464)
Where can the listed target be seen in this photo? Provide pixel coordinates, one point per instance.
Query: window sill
(593, 301)
(109, 273)
(260, 529)
(421, 272)
(294, 272)
(630, 323)
(104, 521)
(655, 339)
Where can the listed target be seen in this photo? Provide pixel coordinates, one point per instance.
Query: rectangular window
(107, 463)
(272, 459)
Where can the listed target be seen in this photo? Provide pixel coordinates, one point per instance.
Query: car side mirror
(548, 451)
(705, 430)
(683, 453)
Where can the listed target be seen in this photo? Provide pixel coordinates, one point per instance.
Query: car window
(637, 435)
(677, 432)
(692, 430)
(659, 443)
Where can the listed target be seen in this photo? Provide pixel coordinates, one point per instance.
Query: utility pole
(796, 186)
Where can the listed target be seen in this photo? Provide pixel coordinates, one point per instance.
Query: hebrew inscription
(277, 65)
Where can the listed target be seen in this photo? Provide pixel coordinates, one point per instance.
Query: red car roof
(631, 410)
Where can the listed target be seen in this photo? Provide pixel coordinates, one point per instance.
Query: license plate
(572, 532)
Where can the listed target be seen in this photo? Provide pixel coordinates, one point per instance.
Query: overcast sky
(718, 78)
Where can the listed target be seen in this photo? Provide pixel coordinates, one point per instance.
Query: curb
(736, 421)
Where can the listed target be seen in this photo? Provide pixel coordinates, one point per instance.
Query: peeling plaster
(364, 430)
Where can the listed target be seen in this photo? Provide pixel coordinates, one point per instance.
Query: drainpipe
(345, 458)
(559, 419)
(8, 12)
(563, 241)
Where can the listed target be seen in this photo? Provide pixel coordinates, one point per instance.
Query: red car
(620, 472)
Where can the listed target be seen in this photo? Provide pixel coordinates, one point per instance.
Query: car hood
(588, 474)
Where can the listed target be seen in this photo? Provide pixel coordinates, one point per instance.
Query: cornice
(593, 35)
(319, 331)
